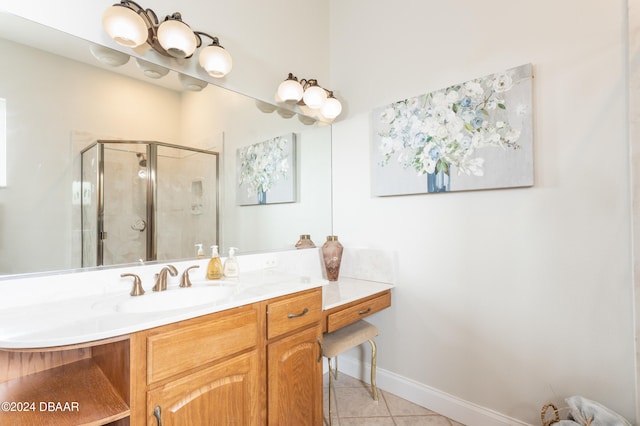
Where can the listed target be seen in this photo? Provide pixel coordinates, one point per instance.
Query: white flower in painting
(473, 89)
(386, 146)
(502, 83)
(455, 125)
(512, 135)
(387, 115)
(452, 97)
(439, 99)
(522, 109)
(471, 166)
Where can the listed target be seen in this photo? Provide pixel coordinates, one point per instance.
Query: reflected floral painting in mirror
(473, 135)
(266, 172)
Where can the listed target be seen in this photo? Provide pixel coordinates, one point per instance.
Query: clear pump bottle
(199, 251)
(231, 268)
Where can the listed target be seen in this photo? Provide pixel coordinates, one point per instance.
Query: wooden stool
(343, 339)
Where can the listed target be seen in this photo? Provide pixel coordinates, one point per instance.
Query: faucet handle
(184, 280)
(137, 289)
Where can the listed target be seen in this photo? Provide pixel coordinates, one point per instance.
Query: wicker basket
(545, 410)
(556, 415)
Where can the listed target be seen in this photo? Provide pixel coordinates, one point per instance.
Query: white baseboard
(450, 406)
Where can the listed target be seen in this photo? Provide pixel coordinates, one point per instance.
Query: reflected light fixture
(108, 56)
(150, 69)
(308, 92)
(130, 25)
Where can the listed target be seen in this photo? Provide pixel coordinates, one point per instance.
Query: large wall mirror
(60, 101)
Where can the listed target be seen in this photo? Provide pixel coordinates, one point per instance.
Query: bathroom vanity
(252, 356)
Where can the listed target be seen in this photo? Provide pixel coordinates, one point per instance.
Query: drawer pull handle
(320, 354)
(304, 311)
(157, 413)
(365, 312)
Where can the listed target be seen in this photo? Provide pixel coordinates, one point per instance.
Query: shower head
(142, 159)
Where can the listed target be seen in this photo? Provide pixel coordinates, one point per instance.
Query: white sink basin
(175, 298)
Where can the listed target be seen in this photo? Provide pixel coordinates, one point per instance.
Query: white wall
(507, 298)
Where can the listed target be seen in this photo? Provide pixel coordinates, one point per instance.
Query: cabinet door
(225, 394)
(295, 380)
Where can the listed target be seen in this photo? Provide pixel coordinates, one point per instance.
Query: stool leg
(374, 357)
(330, 392)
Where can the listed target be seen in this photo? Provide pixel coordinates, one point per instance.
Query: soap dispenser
(231, 268)
(214, 270)
(199, 251)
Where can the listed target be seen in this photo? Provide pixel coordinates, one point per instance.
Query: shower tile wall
(186, 203)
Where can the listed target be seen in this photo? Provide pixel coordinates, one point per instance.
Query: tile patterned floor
(354, 406)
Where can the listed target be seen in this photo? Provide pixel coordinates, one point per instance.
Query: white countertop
(92, 317)
(347, 290)
(76, 308)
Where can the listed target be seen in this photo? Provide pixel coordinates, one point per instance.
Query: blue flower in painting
(477, 122)
(465, 142)
(435, 153)
(419, 139)
(465, 102)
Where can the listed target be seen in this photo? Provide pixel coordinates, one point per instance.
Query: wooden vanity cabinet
(294, 359)
(201, 371)
(253, 365)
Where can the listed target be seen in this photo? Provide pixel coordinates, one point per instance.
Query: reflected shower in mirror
(146, 201)
(57, 106)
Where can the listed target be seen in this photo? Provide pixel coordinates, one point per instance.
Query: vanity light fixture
(130, 25)
(309, 93)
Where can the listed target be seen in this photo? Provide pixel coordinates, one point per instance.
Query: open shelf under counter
(72, 394)
(75, 385)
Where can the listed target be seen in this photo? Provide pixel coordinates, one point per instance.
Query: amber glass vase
(332, 256)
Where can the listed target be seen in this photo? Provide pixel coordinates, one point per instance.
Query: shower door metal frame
(152, 193)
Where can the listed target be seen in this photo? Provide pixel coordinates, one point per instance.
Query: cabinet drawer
(353, 313)
(183, 348)
(293, 312)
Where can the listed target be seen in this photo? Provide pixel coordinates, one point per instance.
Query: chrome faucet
(161, 277)
(184, 280)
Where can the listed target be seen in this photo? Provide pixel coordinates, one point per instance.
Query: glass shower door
(126, 183)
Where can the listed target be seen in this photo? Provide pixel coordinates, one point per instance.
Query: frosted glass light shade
(216, 61)
(331, 108)
(191, 83)
(290, 91)
(151, 70)
(314, 97)
(108, 56)
(177, 38)
(125, 26)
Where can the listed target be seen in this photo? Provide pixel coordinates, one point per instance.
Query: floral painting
(473, 135)
(266, 171)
